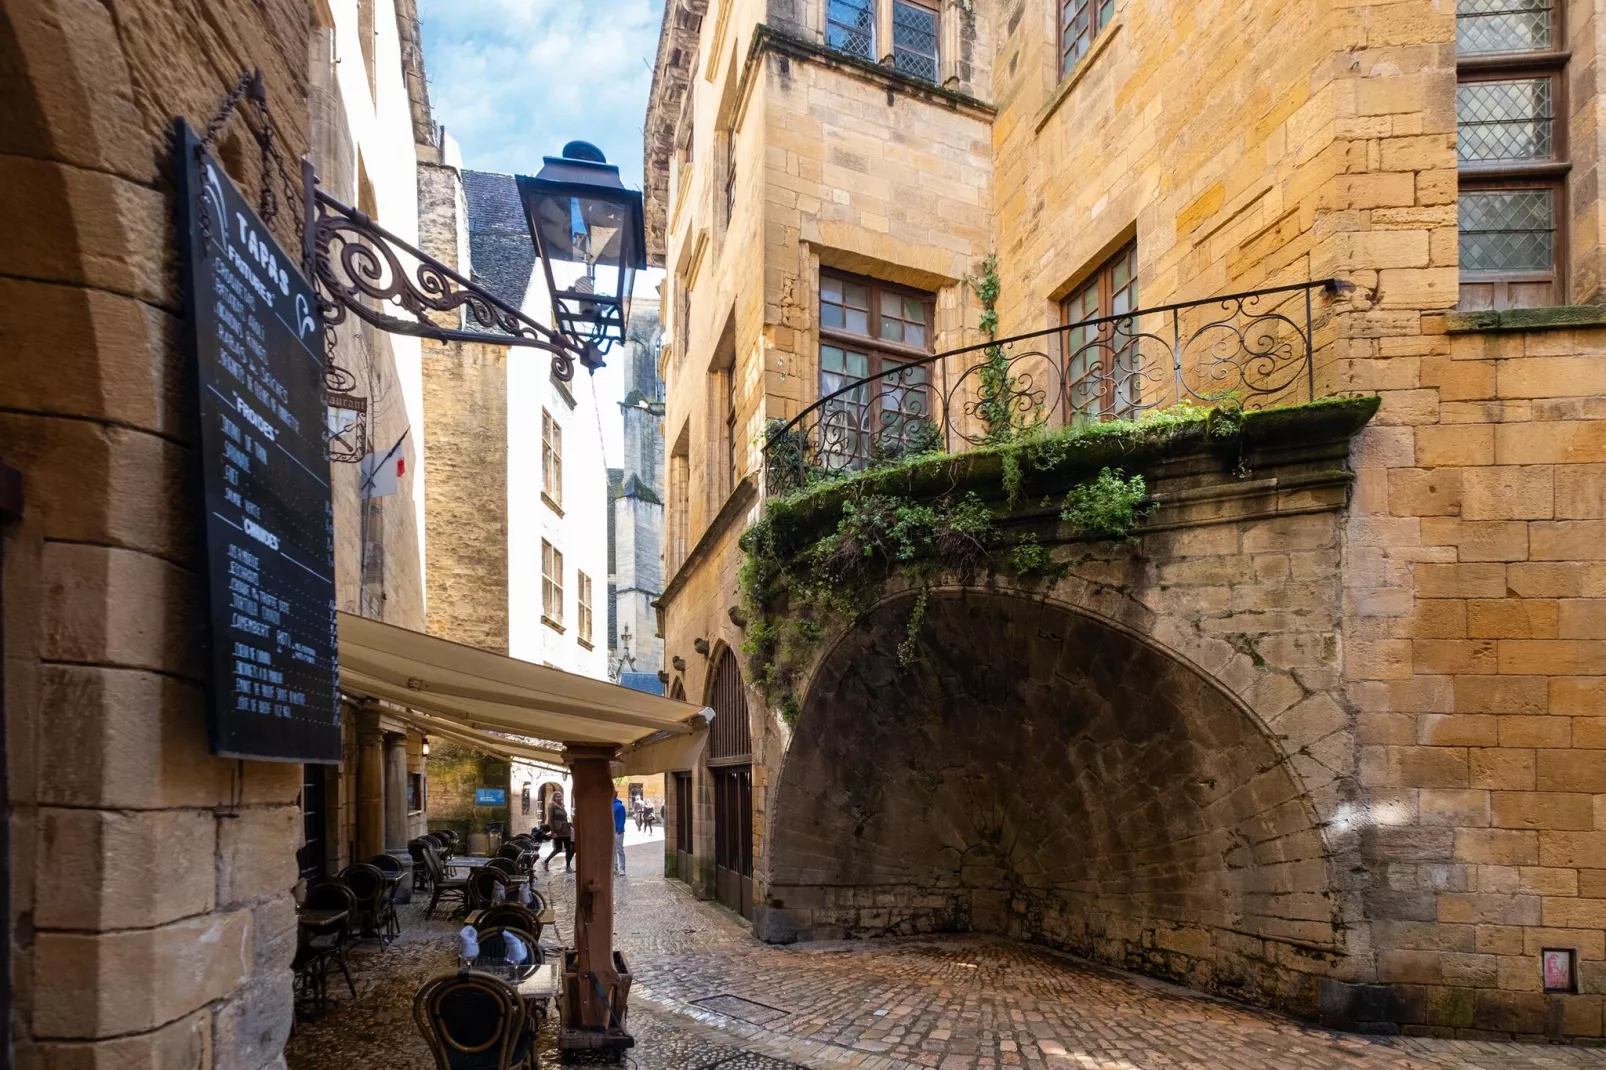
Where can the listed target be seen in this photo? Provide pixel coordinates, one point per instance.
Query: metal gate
(730, 759)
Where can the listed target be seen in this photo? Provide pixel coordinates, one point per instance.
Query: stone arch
(1046, 773)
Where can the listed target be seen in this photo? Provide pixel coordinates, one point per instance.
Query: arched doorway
(730, 762)
(1041, 774)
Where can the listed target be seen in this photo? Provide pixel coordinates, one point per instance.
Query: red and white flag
(381, 476)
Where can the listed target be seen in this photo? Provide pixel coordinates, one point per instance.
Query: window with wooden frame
(1512, 152)
(551, 585)
(1080, 22)
(850, 27)
(582, 584)
(867, 328)
(1099, 360)
(914, 38)
(551, 460)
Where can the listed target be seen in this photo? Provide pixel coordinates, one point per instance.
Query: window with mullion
(867, 328)
(850, 27)
(914, 39)
(1511, 149)
(1080, 23)
(1100, 355)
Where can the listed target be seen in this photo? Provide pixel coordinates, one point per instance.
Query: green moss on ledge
(820, 556)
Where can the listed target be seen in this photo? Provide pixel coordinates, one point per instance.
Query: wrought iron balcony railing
(1245, 350)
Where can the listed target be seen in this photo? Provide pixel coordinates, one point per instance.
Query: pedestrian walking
(618, 835)
(562, 835)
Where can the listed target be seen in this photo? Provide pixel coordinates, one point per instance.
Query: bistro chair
(509, 916)
(376, 905)
(506, 865)
(441, 886)
(449, 838)
(493, 956)
(394, 871)
(487, 886)
(420, 868)
(318, 948)
(443, 844)
(518, 854)
(474, 1021)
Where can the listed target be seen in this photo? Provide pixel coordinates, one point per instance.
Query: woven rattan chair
(441, 886)
(394, 872)
(506, 865)
(493, 956)
(510, 916)
(372, 890)
(420, 868)
(321, 948)
(473, 1021)
(487, 886)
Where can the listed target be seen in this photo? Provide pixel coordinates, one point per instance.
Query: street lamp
(590, 233)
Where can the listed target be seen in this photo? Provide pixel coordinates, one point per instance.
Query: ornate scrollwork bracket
(360, 267)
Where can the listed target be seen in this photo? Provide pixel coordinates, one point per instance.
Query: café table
(320, 919)
(537, 986)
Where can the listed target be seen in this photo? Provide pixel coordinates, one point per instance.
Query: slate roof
(642, 681)
(499, 242)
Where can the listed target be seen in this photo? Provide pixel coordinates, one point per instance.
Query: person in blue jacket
(618, 834)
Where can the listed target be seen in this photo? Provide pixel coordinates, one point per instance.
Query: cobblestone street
(707, 995)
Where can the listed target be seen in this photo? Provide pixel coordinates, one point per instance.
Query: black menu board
(255, 341)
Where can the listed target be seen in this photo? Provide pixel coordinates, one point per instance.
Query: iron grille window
(867, 328)
(914, 39)
(1101, 374)
(552, 457)
(551, 583)
(1080, 22)
(850, 27)
(582, 585)
(1512, 153)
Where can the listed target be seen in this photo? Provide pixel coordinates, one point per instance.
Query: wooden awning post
(592, 816)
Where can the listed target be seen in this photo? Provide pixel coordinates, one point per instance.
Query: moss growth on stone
(822, 555)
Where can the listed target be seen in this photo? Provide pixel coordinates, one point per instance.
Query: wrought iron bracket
(360, 267)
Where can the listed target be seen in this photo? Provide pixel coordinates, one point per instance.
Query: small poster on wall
(1558, 970)
(490, 797)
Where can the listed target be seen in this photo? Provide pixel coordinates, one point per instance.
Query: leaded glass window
(1485, 26)
(850, 27)
(914, 40)
(1511, 146)
(1505, 120)
(1508, 230)
(1101, 354)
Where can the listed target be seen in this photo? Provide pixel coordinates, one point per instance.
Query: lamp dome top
(583, 150)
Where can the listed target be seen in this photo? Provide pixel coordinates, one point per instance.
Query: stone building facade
(150, 918)
(636, 504)
(1440, 728)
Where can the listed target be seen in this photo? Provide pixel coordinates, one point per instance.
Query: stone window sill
(585, 643)
(1101, 45)
(1554, 318)
(551, 504)
(550, 623)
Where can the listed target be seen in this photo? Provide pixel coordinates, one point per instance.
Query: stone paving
(707, 995)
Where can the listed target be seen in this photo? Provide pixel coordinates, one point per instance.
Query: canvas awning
(468, 694)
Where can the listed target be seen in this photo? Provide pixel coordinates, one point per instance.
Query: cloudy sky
(513, 80)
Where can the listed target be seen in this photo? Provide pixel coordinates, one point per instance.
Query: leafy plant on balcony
(997, 391)
(1109, 507)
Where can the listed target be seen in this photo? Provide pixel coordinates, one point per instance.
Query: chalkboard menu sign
(255, 341)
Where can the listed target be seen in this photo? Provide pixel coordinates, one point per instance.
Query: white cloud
(513, 80)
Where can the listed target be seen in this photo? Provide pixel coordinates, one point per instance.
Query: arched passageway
(1041, 774)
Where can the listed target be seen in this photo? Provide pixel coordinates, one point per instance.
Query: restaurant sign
(490, 797)
(255, 340)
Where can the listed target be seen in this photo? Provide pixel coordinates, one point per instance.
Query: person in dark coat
(562, 835)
